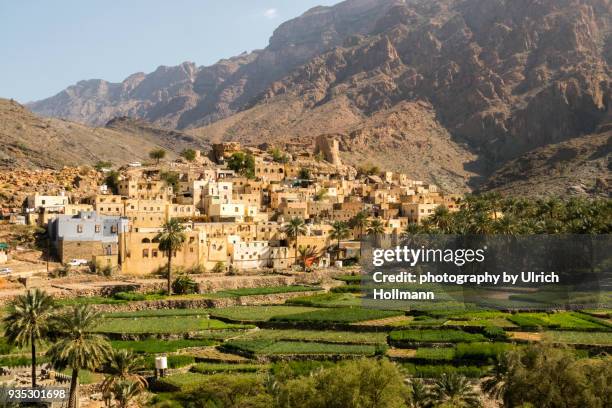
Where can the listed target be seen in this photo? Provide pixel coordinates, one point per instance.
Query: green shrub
(184, 285)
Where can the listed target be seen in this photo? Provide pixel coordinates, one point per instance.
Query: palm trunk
(33, 360)
(73, 402)
(295, 251)
(169, 273)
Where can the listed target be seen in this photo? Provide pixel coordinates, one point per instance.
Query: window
(97, 227)
(145, 253)
(79, 228)
(154, 253)
(114, 229)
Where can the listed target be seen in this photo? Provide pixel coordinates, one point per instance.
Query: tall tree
(28, 322)
(171, 239)
(77, 347)
(157, 154)
(294, 229)
(376, 229)
(360, 222)
(340, 231)
(189, 154)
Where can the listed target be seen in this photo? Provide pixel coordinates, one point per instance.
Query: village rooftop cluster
(235, 204)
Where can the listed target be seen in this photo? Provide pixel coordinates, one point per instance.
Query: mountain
(449, 89)
(29, 141)
(186, 95)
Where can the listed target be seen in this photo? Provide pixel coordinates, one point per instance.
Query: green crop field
(479, 351)
(327, 300)
(214, 368)
(169, 324)
(579, 337)
(435, 353)
(256, 313)
(561, 320)
(260, 346)
(153, 346)
(497, 322)
(338, 315)
(296, 347)
(180, 382)
(159, 313)
(435, 336)
(266, 290)
(329, 336)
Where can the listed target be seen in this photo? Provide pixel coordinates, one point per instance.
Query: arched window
(146, 241)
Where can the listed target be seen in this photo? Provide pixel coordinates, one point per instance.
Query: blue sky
(50, 44)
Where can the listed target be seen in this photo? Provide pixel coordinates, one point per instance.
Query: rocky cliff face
(460, 85)
(505, 76)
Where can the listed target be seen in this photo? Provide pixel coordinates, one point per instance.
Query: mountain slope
(580, 166)
(33, 142)
(187, 96)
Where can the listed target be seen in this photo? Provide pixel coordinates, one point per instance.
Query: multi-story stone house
(88, 236)
(145, 189)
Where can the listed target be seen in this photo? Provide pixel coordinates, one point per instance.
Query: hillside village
(235, 204)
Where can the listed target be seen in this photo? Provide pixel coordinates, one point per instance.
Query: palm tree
(495, 385)
(305, 254)
(123, 365)
(76, 347)
(339, 231)
(171, 239)
(376, 229)
(441, 219)
(455, 391)
(28, 320)
(360, 222)
(294, 229)
(125, 391)
(420, 397)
